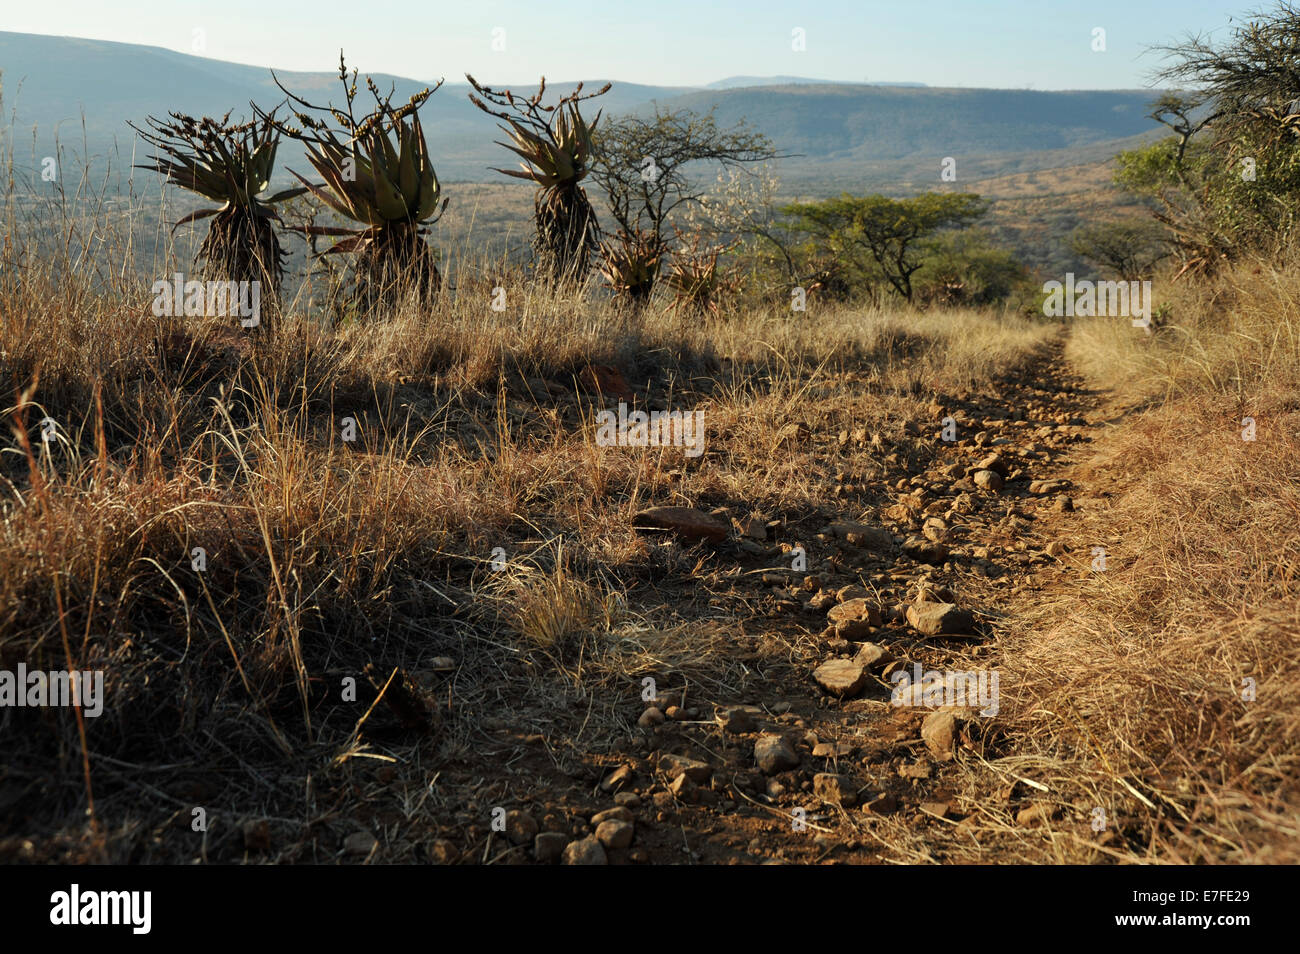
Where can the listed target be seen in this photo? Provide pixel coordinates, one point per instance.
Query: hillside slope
(838, 135)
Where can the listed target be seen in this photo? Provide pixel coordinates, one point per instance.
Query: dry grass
(473, 432)
(1161, 689)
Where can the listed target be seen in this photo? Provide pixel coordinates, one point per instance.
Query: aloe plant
(630, 264)
(377, 172)
(696, 278)
(230, 165)
(555, 144)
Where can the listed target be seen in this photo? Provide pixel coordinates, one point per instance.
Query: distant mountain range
(735, 82)
(842, 135)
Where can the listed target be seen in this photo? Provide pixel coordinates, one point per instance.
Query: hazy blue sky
(1043, 44)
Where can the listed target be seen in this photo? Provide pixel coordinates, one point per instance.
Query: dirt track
(865, 786)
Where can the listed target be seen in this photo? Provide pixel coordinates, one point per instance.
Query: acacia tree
(1227, 178)
(641, 163)
(1128, 249)
(642, 167)
(880, 236)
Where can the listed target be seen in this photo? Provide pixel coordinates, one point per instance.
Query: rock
(548, 847)
(861, 535)
(675, 766)
(651, 717)
(587, 851)
(938, 731)
(686, 522)
(360, 843)
(988, 480)
(737, 720)
(872, 657)
(854, 610)
(925, 551)
(606, 381)
(774, 753)
(853, 630)
(683, 789)
(675, 714)
(841, 677)
(521, 827)
(1039, 813)
(1055, 549)
(920, 769)
(619, 778)
(836, 789)
(257, 836)
(885, 804)
(443, 852)
(935, 618)
(615, 833)
(628, 800)
(852, 592)
(1040, 488)
(612, 814)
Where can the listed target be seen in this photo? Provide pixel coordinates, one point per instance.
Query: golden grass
(1162, 689)
(473, 431)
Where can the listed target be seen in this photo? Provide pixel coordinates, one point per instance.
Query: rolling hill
(840, 136)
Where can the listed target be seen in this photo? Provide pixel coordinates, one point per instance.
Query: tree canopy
(881, 236)
(642, 163)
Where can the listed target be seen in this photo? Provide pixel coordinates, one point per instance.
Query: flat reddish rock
(935, 618)
(855, 609)
(841, 677)
(683, 521)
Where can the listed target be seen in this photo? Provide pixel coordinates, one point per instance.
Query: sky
(1016, 44)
